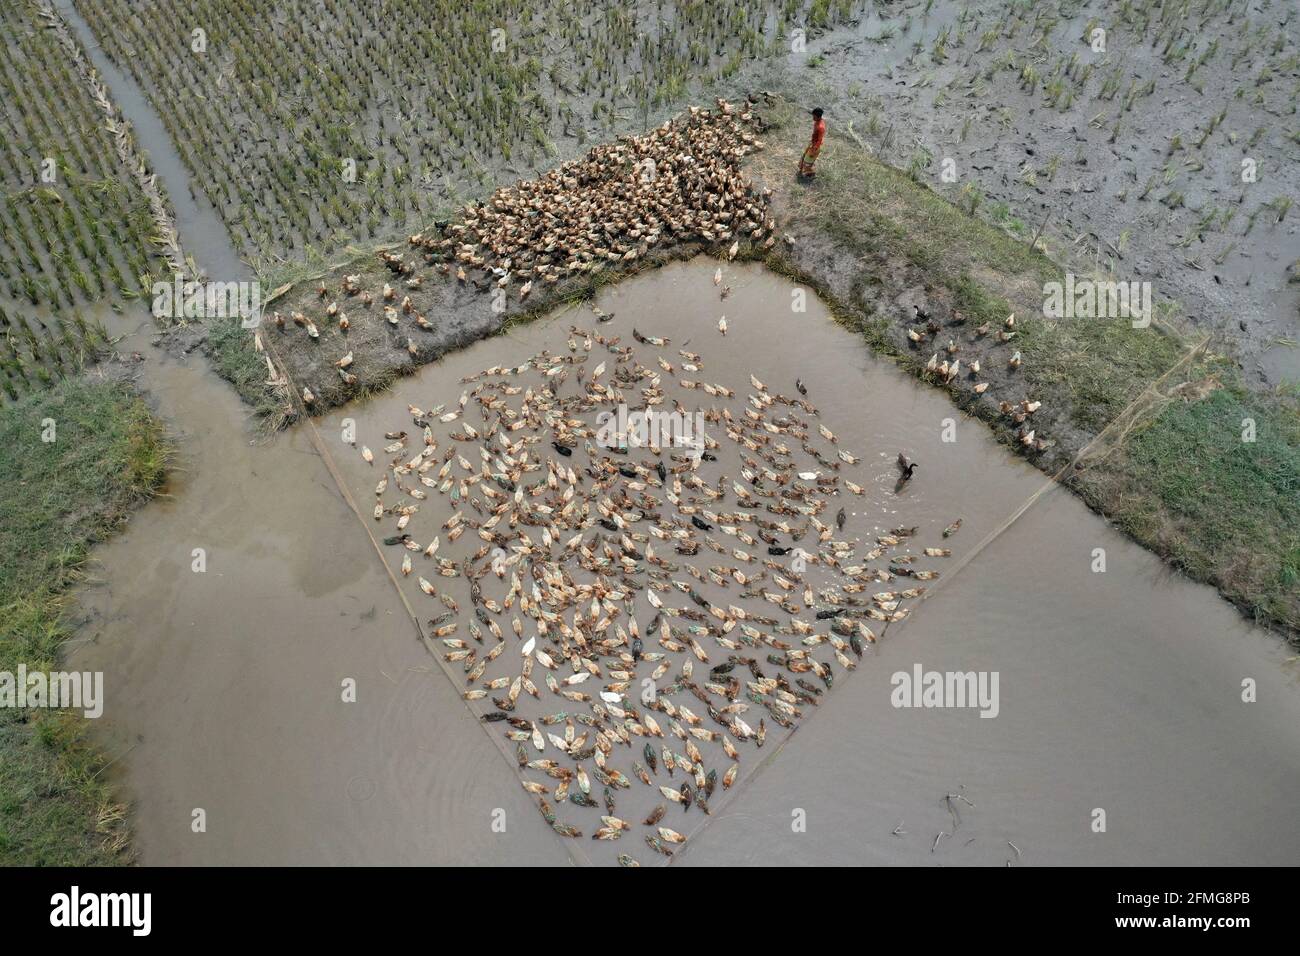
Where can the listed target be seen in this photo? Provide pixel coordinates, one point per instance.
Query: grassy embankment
(56, 500)
(1162, 422)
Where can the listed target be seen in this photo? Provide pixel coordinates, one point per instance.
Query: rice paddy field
(401, 179)
(381, 115)
(76, 228)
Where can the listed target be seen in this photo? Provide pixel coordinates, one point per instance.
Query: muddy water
(1119, 690)
(224, 688)
(875, 414)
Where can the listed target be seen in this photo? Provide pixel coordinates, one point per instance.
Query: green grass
(1093, 367)
(1222, 509)
(233, 356)
(56, 500)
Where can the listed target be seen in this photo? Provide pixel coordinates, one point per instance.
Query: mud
(906, 106)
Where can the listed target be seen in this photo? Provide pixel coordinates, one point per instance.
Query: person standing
(809, 159)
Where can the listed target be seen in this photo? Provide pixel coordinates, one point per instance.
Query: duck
(908, 468)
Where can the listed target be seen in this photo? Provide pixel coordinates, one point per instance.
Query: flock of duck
(631, 614)
(949, 369)
(680, 183)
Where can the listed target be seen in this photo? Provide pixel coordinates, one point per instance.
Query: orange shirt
(819, 132)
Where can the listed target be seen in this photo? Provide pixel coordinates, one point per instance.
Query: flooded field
(225, 687)
(1075, 649)
(1119, 690)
